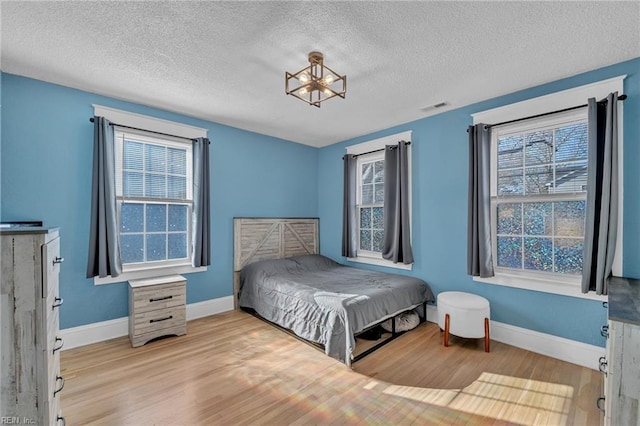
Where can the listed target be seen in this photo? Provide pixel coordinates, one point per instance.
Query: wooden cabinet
(157, 307)
(29, 308)
(622, 362)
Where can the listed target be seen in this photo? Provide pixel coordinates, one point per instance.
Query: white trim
(560, 348)
(140, 121)
(568, 350)
(379, 143)
(100, 331)
(542, 285)
(209, 307)
(432, 313)
(156, 280)
(380, 262)
(93, 333)
(149, 273)
(551, 102)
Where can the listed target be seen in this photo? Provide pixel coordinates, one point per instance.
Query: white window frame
(366, 158)
(544, 282)
(124, 118)
(373, 258)
(121, 198)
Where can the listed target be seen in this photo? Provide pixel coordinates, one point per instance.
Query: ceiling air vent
(434, 106)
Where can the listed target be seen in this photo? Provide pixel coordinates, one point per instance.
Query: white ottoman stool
(464, 315)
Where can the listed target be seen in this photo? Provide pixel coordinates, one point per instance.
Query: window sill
(149, 273)
(571, 289)
(380, 262)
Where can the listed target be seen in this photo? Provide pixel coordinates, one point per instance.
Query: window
(539, 188)
(154, 193)
(370, 198)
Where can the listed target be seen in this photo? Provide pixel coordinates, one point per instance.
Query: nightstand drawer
(161, 296)
(146, 322)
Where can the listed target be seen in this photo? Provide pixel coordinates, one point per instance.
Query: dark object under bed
(325, 302)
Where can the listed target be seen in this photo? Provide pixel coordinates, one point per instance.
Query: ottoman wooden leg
(446, 330)
(487, 341)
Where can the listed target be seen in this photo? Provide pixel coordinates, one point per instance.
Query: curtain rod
(145, 130)
(377, 150)
(488, 126)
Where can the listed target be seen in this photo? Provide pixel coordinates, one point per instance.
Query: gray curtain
(397, 233)
(104, 245)
(601, 224)
(201, 203)
(349, 219)
(479, 254)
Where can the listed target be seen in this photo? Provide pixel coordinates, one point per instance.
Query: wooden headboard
(260, 238)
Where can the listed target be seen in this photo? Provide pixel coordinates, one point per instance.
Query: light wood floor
(233, 368)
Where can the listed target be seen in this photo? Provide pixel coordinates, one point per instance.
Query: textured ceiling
(225, 61)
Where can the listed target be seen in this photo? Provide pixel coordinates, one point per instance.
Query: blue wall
(46, 175)
(47, 144)
(440, 161)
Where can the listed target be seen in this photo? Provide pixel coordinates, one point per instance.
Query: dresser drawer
(54, 381)
(51, 261)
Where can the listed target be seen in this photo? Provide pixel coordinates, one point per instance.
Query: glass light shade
(303, 78)
(328, 79)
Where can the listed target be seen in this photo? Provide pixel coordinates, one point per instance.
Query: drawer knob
(161, 319)
(604, 331)
(58, 259)
(61, 380)
(158, 299)
(57, 348)
(598, 403)
(58, 301)
(60, 419)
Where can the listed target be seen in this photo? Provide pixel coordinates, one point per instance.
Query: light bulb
(328, 79)
(304, 91)
(303, 78)
(326, 91)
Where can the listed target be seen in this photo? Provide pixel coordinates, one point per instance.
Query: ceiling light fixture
(316, 83)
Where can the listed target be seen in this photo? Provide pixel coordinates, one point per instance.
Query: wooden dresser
(621, 365)
(29, 306)
(157, 307)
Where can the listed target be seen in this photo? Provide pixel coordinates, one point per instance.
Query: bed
(280, 276)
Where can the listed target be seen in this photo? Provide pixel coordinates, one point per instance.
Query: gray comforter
(325, 302)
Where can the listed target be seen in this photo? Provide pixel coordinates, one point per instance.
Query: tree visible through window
(539, 194)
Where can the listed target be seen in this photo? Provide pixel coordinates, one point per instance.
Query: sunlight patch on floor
(507, 398)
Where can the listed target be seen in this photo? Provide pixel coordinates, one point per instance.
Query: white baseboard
(100, 331)
(209, 307)
(560, 348)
